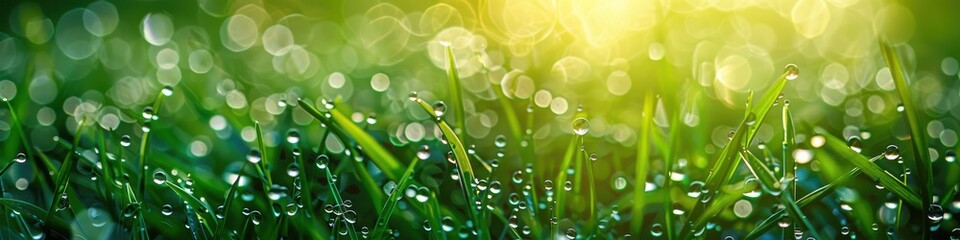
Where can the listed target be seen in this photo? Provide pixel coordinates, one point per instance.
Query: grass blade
(228, 203)
(53, 224)
(41, 168)
(453, 77)
(335, 192)
(207, 212)
(915, 124)
(839, 147)
(145, 146)
(814, 196)
(344, 127)
(643, 162)
(387, 211)
(63, 176)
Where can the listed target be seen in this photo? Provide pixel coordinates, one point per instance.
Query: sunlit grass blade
(53, 224)
(387, 211)
(453, 78)
(463, 164)
(814, 196)
(915, 125)
(725, 197)
(643, 162)
(760, 170)
(561, 201)
(891, 183)
(670, 157)
(344, 127)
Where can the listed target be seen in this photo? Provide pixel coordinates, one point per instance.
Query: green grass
(500, 163)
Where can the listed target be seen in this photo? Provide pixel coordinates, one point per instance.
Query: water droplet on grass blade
(439, 108)
(571, 233)
(424, 152)
(855, 144)
(293, 170)
(20, 158)
(892, 152)
(159, 177)
(293, 136)
(148, 113)
(792, 71)
(253, 156)
(656, 230)
(167, 90)
(322, 161)
(166, 210)
(125, 141)
(935, 213)
(581, 126)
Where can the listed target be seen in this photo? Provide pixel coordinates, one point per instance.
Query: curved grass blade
(345, 127)
(53, 224)
(839, 147)
(911, 111)
(812, 197)
(463, 165)
(643, 162)
(387, 211)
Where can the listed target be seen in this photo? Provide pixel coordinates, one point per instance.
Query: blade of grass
(229, 203)
(669, 158)
(335, 193)
(52, 224)
(463, 165)
(387, 211)
(560, 200)
(145, 146)
(839, 147)
(814, 196)
(915, 123)
(345, 127)
(44, 169)
(759, 170)
(643, 162)
(453, 77)
(63, 176)
(206, 211)
(725, 166)
(264, 157)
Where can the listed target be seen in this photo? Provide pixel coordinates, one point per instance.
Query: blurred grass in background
(525, 70)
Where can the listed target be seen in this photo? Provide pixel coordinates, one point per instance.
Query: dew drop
(855, 144)
(20, 158)
(125, 141)
(571, 233)
(581, 126)
(293, 136)
(424, 152)
(892, 152)
(322, 161)
(656, 230)
(148, 113)
(159, 177)
(500, 141)
(792, 71)
(900, 107)
(293, 170)
(256, 217)
(935, 213)
(439, 108)
(167, 90)
(166, 210)
(253, 156)
(413, 96)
